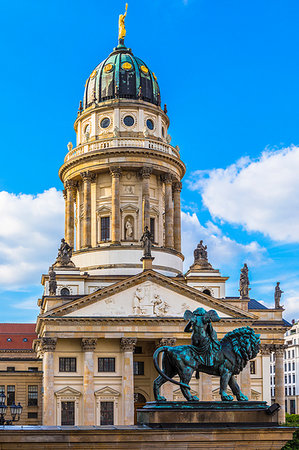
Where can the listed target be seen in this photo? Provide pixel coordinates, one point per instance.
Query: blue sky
(228, 71)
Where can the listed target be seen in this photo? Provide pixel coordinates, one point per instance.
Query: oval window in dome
(129, 121)
(105, 122)
(126, 65)
(150, 124)
(93, 74)
(108, 68)
(144, 69)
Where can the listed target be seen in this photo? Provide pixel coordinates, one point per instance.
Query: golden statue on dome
(121, 26)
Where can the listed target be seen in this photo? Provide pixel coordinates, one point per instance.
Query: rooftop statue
(64, 255)
(147, 241)
(244, 282)
(225, 358)
(200, 252)
(277, 296)
(121, 26)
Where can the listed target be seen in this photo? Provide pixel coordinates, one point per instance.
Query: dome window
(87, 129)
(65, 291)
(105, 122)
(163, 132)
(150, 124)
(144, 69)
(126, 66)
(108, 68)
(129, 121)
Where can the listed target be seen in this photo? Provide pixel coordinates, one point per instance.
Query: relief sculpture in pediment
(146, 302)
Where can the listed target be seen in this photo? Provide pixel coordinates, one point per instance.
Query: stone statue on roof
(52, 281)
(64, 255)
(147, 240)
(277, 296)
(200, 252)
(244, 282)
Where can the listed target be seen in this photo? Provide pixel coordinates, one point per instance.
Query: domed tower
(123, 173)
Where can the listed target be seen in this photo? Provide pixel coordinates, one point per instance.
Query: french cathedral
(117, 289)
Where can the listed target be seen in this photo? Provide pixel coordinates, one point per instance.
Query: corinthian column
(168, 387)
(177, 187)
(145, 174)
(127, 345)
(246, 381)
(265, 355)
(88, 346)
(279, 382)
(70, 187)
(115, 207)
(86, 177)
(48, 346)
(168, 211)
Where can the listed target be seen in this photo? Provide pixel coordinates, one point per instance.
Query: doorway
(139, 402)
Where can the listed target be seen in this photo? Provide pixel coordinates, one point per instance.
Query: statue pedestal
(206, 414)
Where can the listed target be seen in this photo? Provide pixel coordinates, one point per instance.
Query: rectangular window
(11, 395)
(286, 391)
(293, 353)
(293, 378)
(285, 378)
(290, 390)
(107, 416)
(2, 389)
(67, 364)
(152, 228)
(105, 228)
(285, 367)
(274, 368)
(138, 367)
(106, 364)
(292, 407)
(289, 354)
(32, 369)
(293, 366)
(32, 415)
(294, 390)
(10, 369)
(138, 350)
(252, 367)
(32, 395)
(289, 378)
(67, 413)
(289, 366)
(286, 405)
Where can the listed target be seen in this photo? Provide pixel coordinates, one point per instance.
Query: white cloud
(30, 231)
(223, 251)
(261, 195)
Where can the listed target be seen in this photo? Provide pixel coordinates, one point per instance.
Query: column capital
(279, 349)
(146, 172)
(128, 344)
(87, 176)
(177, 186)
(169, 342)
(48, 344)
(266, 349)
(70, 184)
(64, 193)
(115, 172)
(88, 344)
(167, 178)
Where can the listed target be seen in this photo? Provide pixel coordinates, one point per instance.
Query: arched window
(65, 291)
(139, 398)
(207, 292)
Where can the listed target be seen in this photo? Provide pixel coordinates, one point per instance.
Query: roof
(17, 336)
(254, 304)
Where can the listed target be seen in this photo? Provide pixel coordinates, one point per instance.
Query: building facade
(106, 307)
(291, 370)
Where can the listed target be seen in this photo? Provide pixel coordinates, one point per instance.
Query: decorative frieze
(88, 344)
(128, 344)
(48, 344)
(169, 342)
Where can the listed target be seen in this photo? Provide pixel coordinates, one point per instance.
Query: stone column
(65, 213)
(48, 347)
(145, 174)
(168, 211)
(265, 356)
(246, 381)
(86, 177)
(88, 346)
(115, 219)
(206, 387)
(177, 187)
(279, 381)
(167, 388)
(127, 345)
(70, 189)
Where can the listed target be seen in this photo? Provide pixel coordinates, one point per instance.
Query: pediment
(106, 392)
(129, 207)
(148, 294)
(68, 392)
(103, 209)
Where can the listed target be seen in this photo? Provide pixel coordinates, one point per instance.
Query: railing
(121, 142)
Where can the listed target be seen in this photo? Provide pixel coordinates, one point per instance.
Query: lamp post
(15, 411)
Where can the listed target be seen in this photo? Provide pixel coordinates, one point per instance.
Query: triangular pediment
(148, 294)
(67, 392)
(106, 392)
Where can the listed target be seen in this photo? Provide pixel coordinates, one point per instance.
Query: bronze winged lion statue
(225, 358)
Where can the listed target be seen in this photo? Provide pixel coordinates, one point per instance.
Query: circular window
(150, 124)
(129, 121)
(127, 66)
(87, 129)
(105, 122)
(65, 291)
(163, 132)
(108, 68)
(25, 340)
(144, 69)
(9, 339)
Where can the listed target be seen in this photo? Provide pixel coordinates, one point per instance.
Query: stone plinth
(205, 414)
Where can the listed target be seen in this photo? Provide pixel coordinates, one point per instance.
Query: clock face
(105, 122)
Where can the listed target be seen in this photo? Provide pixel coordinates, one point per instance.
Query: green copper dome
(121, 75)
